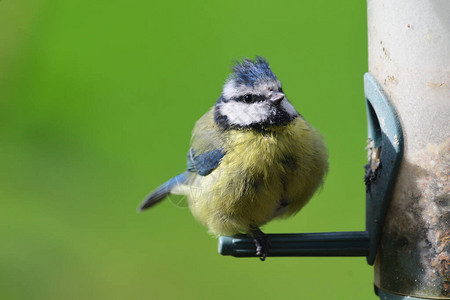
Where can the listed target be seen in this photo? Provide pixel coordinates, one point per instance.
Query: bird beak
(276, 97)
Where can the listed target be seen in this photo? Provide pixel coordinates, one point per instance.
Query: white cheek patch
(288, 107)
(246, 113)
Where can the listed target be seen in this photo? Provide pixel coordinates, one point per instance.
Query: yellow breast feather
(263, 175)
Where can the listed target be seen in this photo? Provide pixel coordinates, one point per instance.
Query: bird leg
(261, 242)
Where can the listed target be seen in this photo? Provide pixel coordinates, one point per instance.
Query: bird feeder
(385, 133)
(407, 95)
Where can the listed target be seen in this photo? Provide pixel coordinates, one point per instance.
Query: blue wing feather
(204, 163)
(163, 190)
(208, 142)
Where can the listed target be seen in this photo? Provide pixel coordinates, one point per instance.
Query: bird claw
(261, 251)
(261, 242)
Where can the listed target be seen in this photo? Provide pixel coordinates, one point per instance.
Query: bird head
(252, 97)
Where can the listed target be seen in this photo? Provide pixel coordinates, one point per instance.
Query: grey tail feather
(162, 191)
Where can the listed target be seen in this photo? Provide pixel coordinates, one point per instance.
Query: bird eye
(248, 98)
(270, 89)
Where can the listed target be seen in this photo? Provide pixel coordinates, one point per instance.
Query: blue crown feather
(249, 72)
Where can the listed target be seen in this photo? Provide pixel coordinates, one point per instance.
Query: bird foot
(261, 242)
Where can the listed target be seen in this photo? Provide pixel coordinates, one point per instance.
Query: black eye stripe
(250, 98)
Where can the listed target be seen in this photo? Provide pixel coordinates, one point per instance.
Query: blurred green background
(97, 103)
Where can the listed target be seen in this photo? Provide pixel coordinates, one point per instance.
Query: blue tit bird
(253, 158)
